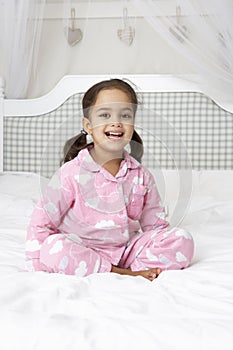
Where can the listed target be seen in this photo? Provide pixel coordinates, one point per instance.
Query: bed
(188, 147)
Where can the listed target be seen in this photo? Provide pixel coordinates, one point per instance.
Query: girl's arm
(153, 214)
(47, 216)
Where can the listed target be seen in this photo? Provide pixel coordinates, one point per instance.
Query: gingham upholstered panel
(179, 129)
(35, 143)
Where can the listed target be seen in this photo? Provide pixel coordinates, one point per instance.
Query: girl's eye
(126, 116)
(105, 115)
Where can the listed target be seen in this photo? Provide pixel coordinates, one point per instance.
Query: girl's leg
(62, 255)
(168, 249)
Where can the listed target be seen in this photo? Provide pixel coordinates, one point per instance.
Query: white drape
(202, 31)
(20, 29)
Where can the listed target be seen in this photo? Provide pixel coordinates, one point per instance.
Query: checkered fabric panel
(195, 131)
(35, 143)
(179, 130)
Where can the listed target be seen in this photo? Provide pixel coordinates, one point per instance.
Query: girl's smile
(114, 135)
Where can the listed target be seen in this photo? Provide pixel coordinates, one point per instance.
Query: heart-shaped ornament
(180, 32)
(74, 36)
(126, 35)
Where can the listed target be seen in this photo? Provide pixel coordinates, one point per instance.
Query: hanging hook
(178, 15)
(72, 18)
(125, 17)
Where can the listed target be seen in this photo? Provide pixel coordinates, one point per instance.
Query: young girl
(101, 211)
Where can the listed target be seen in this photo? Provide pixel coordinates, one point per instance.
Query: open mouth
(114, 134)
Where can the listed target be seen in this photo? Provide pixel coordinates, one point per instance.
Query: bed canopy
(200, 31)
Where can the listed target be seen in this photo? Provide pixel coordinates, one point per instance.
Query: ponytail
(136, 145)
(73, 146)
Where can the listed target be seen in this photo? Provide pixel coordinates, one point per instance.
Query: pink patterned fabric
(89, 220)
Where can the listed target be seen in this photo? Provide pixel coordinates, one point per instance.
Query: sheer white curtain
(20, 30)
(202, 31)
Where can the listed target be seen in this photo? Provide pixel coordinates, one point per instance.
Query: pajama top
(90, 206)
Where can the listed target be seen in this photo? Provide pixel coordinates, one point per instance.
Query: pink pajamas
(89, 220)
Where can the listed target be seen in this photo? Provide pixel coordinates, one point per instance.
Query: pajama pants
(169, 249)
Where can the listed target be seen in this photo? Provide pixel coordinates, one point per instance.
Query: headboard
(180, 126)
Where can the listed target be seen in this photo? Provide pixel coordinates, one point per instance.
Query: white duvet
(188, 309)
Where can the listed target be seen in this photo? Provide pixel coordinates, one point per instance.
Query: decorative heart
(126, 35)
(74, 36)
(180, 32)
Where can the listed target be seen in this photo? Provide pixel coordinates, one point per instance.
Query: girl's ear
(87, 125)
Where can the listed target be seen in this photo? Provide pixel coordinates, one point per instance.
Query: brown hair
(74, 145)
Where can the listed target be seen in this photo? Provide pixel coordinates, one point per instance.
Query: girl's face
(111, 120)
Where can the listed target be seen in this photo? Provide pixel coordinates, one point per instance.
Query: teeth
(114, 133)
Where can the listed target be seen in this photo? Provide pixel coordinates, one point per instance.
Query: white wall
(100, 51)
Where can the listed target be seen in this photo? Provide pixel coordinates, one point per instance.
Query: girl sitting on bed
(101, 211)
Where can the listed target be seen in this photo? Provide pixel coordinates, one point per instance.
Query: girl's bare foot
(150, 274)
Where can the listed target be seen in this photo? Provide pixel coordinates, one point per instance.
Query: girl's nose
(116, 124)
(116, 121)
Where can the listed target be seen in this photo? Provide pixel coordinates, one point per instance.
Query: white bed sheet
(188, 309)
